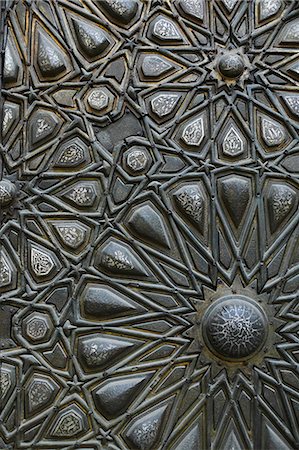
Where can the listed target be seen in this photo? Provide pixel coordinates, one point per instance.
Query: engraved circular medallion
(234, 327)
(231, 66)
(7, 192)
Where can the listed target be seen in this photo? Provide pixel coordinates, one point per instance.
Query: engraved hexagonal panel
(37, 327)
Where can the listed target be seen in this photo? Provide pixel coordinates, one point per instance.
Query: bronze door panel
(149, 257)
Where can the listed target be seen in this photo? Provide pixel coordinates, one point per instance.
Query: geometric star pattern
(149, 167)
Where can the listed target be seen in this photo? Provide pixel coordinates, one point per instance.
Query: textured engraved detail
(50, 58)
(99, 351)
(73, 235)
(292, 102)
(281, 201)
(233, 144)
(7, 192)
(37, 327)
(163, 104)
(193, 133)
(166, 30)
(5, 382)
(92, 40)
(144, 432)
(137, 159)
(193, 7)
(144, 435)
(95, 353)
(269, 7)
(11, 68)
(118, 260)
(272, 132)
(155, 66)
(5, 271)
(122, 10)
(120, 6)
(10, 117)
(97, 99)
(40, 392)
(291, 33)
(190, 200)
(82, 194)
(72, 155)
(42, 125)
(41, 262)
(234, 327)
(69, 424)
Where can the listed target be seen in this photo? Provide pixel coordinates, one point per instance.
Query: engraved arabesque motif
(235, 328)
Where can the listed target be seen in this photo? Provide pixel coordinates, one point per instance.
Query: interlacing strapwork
(149, 247)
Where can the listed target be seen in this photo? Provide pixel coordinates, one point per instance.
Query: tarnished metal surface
(149, 264)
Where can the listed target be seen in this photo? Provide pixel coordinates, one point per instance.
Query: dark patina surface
(149, 259)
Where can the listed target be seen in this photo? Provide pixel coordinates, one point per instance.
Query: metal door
(149, 264)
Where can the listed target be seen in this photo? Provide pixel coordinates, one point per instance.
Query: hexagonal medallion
(137, 159)
(38, 327)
